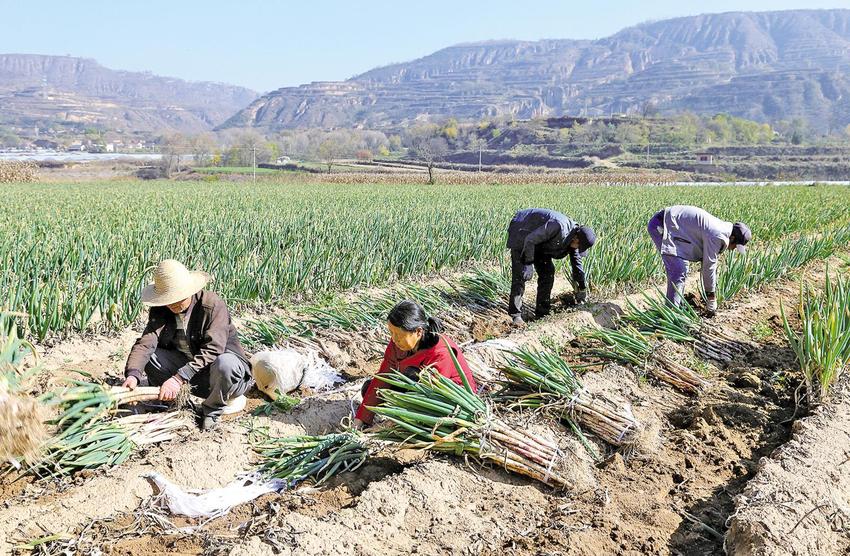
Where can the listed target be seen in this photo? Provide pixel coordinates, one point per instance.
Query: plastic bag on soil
(484, 358)
(215, 502)
(284, 370)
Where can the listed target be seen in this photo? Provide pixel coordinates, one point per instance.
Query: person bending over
(535, 237)
(685, 233)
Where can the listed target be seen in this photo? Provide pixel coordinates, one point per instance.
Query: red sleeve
(437, 357)
(445, 365)
(370, 398)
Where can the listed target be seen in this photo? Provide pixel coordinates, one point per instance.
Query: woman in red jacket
(416, 343)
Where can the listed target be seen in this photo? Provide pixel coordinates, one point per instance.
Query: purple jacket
(693, 234)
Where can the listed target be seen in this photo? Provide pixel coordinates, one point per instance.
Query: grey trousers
(226, 378)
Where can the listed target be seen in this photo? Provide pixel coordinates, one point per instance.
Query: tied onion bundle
(300, 458)
(434, 413)
(627, 345)
(107, 443)
(21, 423)
(549, 382)
(661, 318)
(86, 434)
(681, 324)
(82, 403)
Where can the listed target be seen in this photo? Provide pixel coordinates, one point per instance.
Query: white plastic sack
(284, 370)
(215, 502)
(319, 374)
(484, 358)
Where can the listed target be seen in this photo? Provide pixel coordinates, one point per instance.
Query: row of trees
(426, 142)
(429, 143)
(247, 147)
(685, 130)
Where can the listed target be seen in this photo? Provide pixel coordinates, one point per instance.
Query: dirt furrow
(674, 496)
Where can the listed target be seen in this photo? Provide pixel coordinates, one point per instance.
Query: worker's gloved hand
(527, 272)
(711, 305)
(581, 295)
(169, 389)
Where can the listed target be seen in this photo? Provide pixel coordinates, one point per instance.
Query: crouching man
(189, 338)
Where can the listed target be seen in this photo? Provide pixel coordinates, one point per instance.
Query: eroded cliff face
(67, 89)
(769, 66)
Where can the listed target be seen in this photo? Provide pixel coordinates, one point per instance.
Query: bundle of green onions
(82, 402)
(627, 345)
(301, 458)
(437, 414)
(151, 428)
(681, 324)
(21, 423)
(548, 381)
(86, 434)
(103, 442)
(676, 374)
(661, 318)
(717, 345)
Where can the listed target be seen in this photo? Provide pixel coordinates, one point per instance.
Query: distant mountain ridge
(766, 66)
(67, 90)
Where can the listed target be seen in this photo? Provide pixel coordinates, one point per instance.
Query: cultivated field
(76, 256)
(317, 267)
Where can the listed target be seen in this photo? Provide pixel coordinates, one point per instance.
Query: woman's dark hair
(409, 315)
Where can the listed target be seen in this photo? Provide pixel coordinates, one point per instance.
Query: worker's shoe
(711, 307)
(516, 321)
(209, 423)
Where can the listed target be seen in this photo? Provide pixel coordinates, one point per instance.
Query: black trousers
(545, 269)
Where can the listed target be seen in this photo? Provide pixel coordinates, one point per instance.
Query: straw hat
(173, 282)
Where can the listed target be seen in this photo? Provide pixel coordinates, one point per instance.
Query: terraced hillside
(766, 66)
(63, 90)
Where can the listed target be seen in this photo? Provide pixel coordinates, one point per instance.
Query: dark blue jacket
(537, 232)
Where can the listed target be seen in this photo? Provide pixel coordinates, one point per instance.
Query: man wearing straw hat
(189, 338)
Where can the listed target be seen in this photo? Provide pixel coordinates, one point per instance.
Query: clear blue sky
(269, 44)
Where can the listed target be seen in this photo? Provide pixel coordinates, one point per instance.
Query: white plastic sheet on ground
(484, 358)
(215, 502)
(284, 370)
